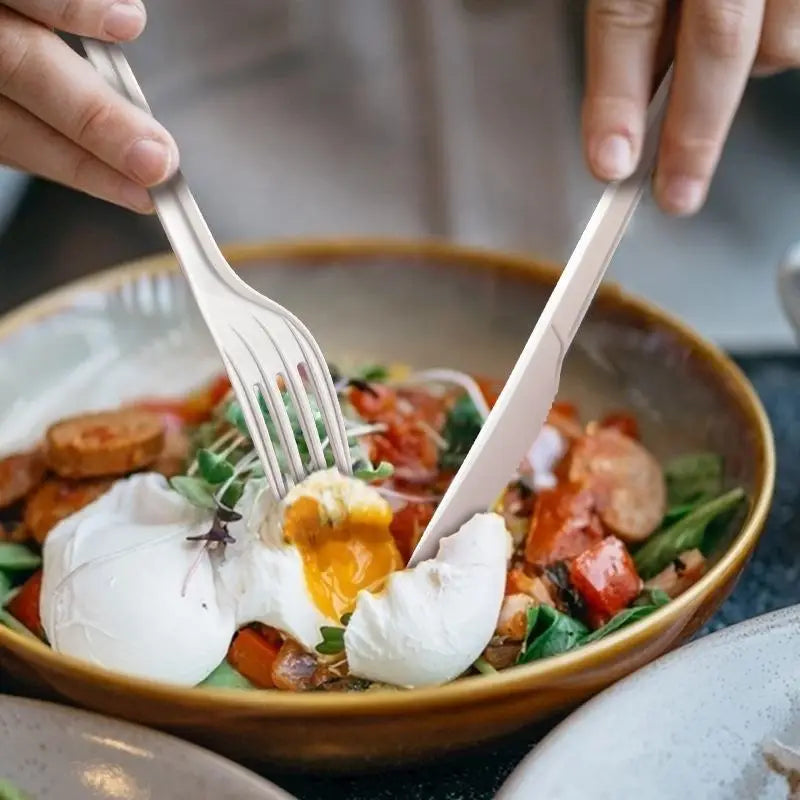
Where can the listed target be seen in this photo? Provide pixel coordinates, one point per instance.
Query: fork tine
(299, 396)
(277, 413)
(261, 440)
(325, 395)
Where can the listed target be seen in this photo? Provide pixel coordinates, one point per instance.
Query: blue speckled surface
(769, 582)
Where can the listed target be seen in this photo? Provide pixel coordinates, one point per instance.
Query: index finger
(622, 37)
(112, 20)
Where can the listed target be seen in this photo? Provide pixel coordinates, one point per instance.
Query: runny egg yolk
(341, 557)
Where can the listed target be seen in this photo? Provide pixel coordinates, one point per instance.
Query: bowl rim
(537, 676)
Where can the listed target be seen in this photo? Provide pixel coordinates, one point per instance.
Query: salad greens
(688, 533)
(226, 677)
(17, 558)
(461, 428)
(551, 633)
(8, 791)
(17, 562)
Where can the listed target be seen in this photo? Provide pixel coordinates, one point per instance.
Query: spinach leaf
(226, 677)
(14, 624)
(627, 617)
(364, 471)
(215, 468)
(460, 430)
(5, 587)
(372, 373)
(652, 597)
(686, 534)
(16, 557)
(10, 792)
(691, 478)
(332, 640)
(550, 633)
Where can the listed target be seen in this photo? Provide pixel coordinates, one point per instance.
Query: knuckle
(15, 45)
(79, 169)
(629, 14)
(93, 121)
(722, 27)
(692, 156)
(780, 46)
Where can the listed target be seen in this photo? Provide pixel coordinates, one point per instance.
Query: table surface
(31, 263)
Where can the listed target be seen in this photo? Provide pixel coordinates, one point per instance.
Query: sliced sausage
(56, 500)
(513, 621)
(626, 480)
(682, 573)
(108, 443)
(20, 474)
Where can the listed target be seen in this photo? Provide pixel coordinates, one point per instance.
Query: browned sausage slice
(56, 500)
(626, 480)
(20, 474)
(109, 443)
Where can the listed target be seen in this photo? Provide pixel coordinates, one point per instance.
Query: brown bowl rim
(472, 689)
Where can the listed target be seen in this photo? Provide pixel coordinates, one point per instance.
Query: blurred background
(454, 118)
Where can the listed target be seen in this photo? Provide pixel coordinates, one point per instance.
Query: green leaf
(372, 373)
(214, 467)
(460, 430)
(16, 557)
(10, 792)
(691, 478)
(364, 471)
(687, 534)
(233, 494)
(197, 491)
(5, 587)
(226, 677)
(332, 640)
(625, 617)
(14, 624)
(550, 633)
(652, 597)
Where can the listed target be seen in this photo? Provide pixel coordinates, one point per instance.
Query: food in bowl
(165, 556)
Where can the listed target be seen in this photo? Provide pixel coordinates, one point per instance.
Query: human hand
(717, 44)
(58, 116)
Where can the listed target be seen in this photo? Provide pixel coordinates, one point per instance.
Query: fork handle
(187, 231)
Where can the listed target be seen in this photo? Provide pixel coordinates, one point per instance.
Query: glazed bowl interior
(134, 331)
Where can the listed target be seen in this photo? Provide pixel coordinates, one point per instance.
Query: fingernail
(149, 161)
(680, 195)
(124, 20)
(613, 157)
(136, 198)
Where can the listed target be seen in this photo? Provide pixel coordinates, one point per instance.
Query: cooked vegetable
(692, 479)
(226, 677)
(108, 443)
(627, 617)
(20, 474)
(17, 558)
(550, 633)
(408, 525)
(253, 655)
(461, 428)
(24, 605)
(56, 500)
(683, 572)
(606, 578)
(686, 534)
(622, 422)
(564, 524)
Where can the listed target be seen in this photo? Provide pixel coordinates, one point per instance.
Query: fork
(531, 388)
(261, 343)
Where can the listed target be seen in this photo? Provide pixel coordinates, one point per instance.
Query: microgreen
(373, 373)
(461, 428)
(16, 557)
(333, 638)
(214, 467)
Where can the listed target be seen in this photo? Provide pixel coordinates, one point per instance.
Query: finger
(28, 144)
(780, 37)
(40, 72)
(622, 38)
(112, 20)
(716, 46)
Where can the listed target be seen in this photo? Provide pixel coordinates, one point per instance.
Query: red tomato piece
(564, 524)
(254, 654)
(490, 389)
(626, 424)
(24, 607)
(606, 578)
(407, 526)
(375, 403)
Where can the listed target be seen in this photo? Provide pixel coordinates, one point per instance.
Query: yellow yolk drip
(340, 559)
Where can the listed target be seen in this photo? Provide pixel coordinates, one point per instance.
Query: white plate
(693, 724)
(56, 753)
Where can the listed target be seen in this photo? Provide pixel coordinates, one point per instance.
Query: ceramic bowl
(133, 330)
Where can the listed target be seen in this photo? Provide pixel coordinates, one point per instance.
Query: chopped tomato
(490, 389)
(193, 409)
(407, 526)
(373, 403)
(606, 578)
(624, 423)
(24, 607)
(564, 524)
(564, 418)
(564, 409)
(253, 654)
